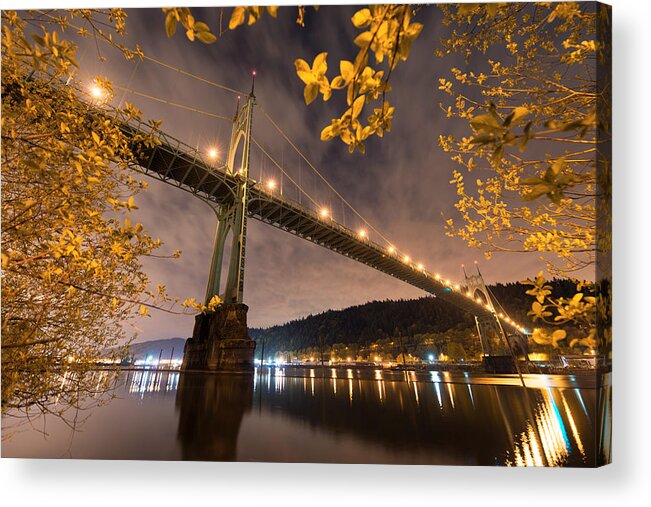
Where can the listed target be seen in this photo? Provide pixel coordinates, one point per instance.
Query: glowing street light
(362, 233)
(213, 153)
(97, 92)
(324, 212)
(271, 184)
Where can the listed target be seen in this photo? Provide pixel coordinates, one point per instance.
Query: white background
(627, 480)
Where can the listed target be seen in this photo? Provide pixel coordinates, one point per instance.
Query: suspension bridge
(235, 196)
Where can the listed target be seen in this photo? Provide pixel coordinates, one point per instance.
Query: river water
(289, 414)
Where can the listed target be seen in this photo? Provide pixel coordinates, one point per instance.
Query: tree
(539, 144)
(72, 280)
(455, 351)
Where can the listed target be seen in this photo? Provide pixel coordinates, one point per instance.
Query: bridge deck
(181, 165)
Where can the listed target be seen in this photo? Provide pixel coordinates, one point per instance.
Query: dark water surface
(338, 415)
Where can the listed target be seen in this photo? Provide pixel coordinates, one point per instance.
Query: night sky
(401, 185)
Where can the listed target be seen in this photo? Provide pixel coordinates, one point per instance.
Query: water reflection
(211, 408)
(152, 381)
(350, 416)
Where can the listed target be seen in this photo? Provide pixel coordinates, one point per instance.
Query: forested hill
(379, 320)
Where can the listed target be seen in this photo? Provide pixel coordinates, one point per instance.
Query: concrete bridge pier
(220, 341)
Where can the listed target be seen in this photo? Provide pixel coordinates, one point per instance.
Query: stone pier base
(220, 341)
(499, 364)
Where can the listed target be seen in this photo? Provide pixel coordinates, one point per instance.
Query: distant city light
(430, 357)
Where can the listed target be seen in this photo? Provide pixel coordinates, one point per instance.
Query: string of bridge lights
(98, 94)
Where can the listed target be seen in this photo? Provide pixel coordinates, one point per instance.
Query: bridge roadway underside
(181, 165)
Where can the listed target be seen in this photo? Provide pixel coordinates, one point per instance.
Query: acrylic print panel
(448, 165)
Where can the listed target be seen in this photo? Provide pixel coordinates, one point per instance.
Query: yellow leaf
(320, 66)
(347, 70)
(363, 39)
(357, 106)
(301, 65)
(310, 93)
(144, 311)
(557, 336)
(170, 24)
(237, 17)
(361, 18)
(306, 77)
(206, 37)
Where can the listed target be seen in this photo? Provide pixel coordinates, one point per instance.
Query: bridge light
(478, 300)
(501, 315)
(271, 184)
(457, 287)
(406, 259)
(447, 283)
(361, 233)
(437, 276)
(469, 294)
(420, 267)
(213, 153)
(324, 212)
(96, 91)
(391, 249)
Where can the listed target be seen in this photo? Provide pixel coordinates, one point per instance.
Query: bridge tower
(220, 340)
(498, 349)
(232, 217)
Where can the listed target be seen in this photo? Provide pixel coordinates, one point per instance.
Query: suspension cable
(194, 76)
(284, 135)
(173, 104)
(283, 171)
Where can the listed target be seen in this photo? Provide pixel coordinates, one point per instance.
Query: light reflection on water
(330, 415)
